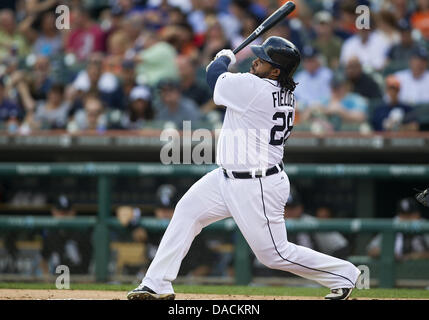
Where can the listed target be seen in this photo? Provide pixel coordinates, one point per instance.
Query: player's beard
(260, 74)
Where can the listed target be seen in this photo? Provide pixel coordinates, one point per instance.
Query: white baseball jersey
(259, 118)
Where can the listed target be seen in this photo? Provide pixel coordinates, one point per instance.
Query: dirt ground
(24, 294)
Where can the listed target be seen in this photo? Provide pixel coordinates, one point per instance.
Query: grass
(376, 293)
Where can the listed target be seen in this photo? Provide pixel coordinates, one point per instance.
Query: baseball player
(250, 186)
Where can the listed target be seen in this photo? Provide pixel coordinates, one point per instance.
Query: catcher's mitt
(423, 197)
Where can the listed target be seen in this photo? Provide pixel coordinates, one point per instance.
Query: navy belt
(256, 174)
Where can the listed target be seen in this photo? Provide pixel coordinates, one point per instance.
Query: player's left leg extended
(201, 205)
(259, 215)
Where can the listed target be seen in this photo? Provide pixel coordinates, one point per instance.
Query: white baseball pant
(257, 207)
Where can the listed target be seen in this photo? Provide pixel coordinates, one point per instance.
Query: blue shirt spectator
(354, 102)
(9, 110)
(344, 106)
(49, 42)
(313, 81)
(174, 107)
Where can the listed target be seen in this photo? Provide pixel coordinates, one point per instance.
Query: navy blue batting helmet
(280, 53)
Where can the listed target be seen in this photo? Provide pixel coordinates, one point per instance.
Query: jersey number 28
(284, 128)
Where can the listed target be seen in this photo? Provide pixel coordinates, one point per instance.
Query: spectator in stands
(392, 114)
(127, 7)
(92, 117)
(39, 78)
(51, 113)
(132, 25)
(343, 106)
(344, 12)
(313, 81)
(117, 45)
(128, 78)
(156, 61)
(205, 12)
(368, 46)
(65, 247)
(10, 112)
(93, 80)
(361, 82)
(420, 18)
(49, 41)
(8, 66)
(177, 15)
(332, 243)
(173, 106)
(215, 40)
(181, 37)
(129, 217)
(326, 41)
(249, 22)
(285, 30)
(415, 80)
(190, 87)
(400, 8)
(306, 30)
(294, 209)
(140, 109)
(387, 27)
(12, 42)
(234, 20)
(400, 54)
(85, 37)
(33, 7)
(408, 246)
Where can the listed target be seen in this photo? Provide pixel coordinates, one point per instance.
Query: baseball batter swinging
(254, 197)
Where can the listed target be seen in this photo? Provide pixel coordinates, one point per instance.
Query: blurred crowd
(135, 64)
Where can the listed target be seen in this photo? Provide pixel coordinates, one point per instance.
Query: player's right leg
(202, 205)
(259, 216)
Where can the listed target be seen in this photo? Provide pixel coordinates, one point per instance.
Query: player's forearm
(217, 67)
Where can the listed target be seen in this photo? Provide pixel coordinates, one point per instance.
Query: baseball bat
(268, 23)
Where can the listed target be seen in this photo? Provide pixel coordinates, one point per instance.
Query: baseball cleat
(145, 293)
(339, 294)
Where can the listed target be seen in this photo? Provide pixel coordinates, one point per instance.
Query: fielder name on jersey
(283, 98)
(252, 135)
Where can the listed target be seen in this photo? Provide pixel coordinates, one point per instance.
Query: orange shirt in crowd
(420, 21)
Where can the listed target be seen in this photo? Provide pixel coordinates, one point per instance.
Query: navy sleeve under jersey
(219, 66)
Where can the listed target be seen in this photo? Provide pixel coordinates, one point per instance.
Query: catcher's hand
(423, 197)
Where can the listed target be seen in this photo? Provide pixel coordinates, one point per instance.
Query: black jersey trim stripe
(277, 86)
(275, 246)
